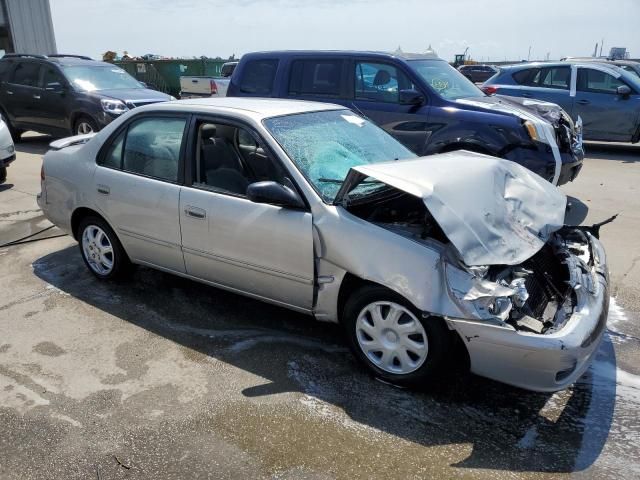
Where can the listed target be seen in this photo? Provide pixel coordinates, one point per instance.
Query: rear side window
(597, 81)
(556, 77)
(380, 82)
(113, 156)
(26, 74)
(525, 77)
(316, 77)
(152, 147)
(258, 76)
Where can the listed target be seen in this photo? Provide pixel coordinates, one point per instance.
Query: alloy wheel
(392, 337)
(84, 128)
(97, 249)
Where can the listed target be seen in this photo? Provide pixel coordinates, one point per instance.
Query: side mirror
(274, 194)
(411, 97)
(623, 91)
(55, 87)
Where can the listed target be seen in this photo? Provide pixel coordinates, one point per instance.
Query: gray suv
(66, 94)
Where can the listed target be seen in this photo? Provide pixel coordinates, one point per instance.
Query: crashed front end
(527, 295)
(538, 324)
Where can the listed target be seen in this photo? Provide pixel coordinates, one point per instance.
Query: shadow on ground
(619, 152)
(34, 143)
(508, 428)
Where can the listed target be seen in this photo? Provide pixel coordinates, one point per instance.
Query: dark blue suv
(423, 102)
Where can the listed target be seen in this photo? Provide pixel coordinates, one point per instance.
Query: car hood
(133, 94)
(524, 108)
(494, 211)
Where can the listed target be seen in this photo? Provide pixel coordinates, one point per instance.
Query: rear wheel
(84, 125)
(390, 337)
(101, 250)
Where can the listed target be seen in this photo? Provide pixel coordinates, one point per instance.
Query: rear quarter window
(258, 76)
(525, 77)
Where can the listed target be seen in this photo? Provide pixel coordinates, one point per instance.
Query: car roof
(62, 61)
(343, 53)
(255, 108)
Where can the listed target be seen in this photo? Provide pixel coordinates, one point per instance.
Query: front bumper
(544, 362)
(7, 156)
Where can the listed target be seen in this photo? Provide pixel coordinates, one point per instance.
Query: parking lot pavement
(161, 377)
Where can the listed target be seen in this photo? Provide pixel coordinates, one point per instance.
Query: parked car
(604, 96)
(66, 94)
(314, 208)
(423, 102)
(478, 73)
(203, 86)
(628, 65)
(227, 69)
(7, 151)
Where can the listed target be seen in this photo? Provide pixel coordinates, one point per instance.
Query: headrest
(207, 131)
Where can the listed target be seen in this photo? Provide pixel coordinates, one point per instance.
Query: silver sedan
(311, 207)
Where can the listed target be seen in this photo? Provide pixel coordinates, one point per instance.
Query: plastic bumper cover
(542, 362)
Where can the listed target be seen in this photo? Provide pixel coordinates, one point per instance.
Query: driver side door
(261, 250)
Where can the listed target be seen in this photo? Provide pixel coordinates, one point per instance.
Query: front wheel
(84, 125)
(101, 250)
(390, 337)
(3, 174)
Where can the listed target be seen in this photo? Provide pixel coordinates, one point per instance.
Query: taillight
(42, 172)
(489, 89)
(214, 87)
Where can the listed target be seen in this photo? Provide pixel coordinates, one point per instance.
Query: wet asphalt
(162, 377)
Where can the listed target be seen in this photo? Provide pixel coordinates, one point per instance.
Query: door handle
(195, 212)
(584, 102)
(526, 95)
(37, 97)
(103, 189)
(9, 92)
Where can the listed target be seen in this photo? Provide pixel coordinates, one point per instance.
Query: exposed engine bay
(400, 213)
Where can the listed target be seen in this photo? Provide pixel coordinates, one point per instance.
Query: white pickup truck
(207, 86)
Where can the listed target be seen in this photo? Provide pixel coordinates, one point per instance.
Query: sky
(494, 30)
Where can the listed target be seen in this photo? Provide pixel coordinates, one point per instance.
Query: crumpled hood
(494, 211)
(524, 108)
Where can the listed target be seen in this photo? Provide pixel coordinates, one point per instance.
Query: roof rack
(62, 55)
(20, 55)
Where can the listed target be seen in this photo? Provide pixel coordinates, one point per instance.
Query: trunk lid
(494, 211)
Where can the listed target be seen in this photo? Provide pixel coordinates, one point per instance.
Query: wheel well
(76, 116)
(77, 216)
(472, 147)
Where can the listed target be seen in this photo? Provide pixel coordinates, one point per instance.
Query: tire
(84, 124)
(3, 174)
(394, 353)
(101, 250)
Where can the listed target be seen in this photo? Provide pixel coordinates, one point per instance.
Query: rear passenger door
(376, 94)
(605, 114)
(137, 188)
(552, 84)
(23, 92)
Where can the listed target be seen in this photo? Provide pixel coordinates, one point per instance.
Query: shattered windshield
(325, 145)
(448, 82)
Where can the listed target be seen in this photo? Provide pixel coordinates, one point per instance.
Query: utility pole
(529, 55)
(601, 44)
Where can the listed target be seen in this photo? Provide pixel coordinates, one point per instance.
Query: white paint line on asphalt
(616, 314)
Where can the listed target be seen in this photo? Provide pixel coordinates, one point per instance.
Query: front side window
(228, 159)
(326, 145)
(96, 78)
(380, 82)
(556, 77)
(258, 77)
(448, 82)
(26, 74)
(152, 147)
(597, 81)
(316, 77)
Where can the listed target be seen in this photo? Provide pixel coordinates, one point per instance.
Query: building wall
(31, 26)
